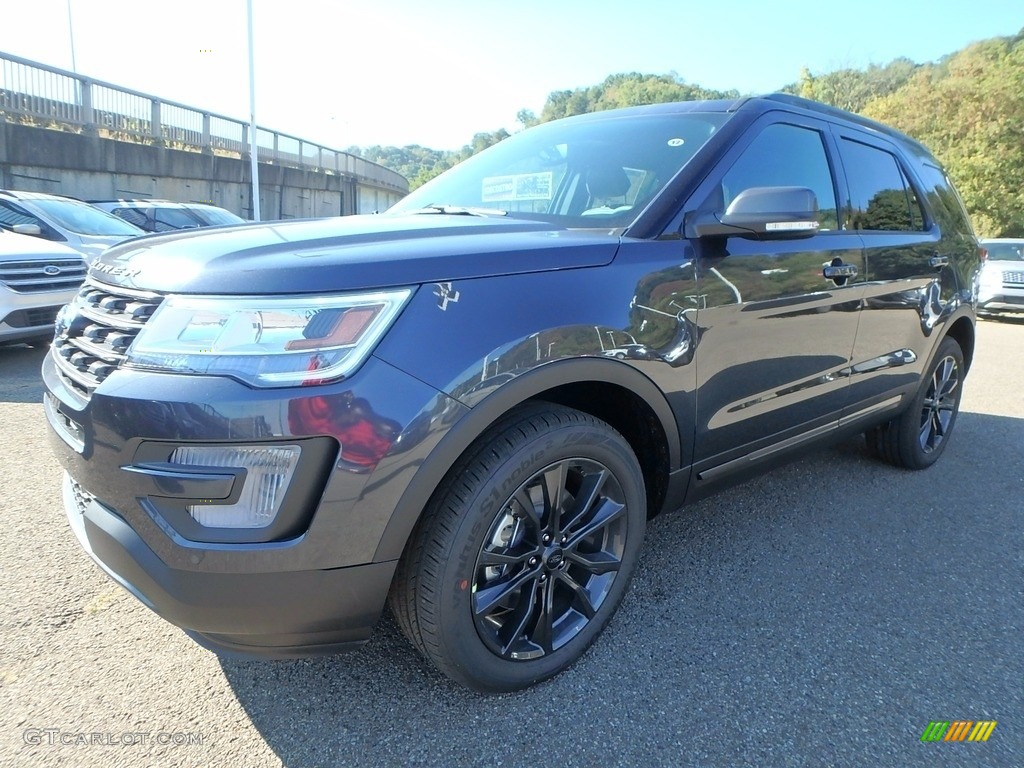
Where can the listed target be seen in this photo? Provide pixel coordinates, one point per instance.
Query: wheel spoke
(554, 486)
(543, 629)
(581, 597)
(488, 558)
(605, 512)
(926, 431)
(525, 503)
(588, 493)
(595, 562)
(486, 599)
(516, 624)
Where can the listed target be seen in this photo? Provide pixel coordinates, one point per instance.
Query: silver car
(37, 278)
(77, 225)
(1001, 283)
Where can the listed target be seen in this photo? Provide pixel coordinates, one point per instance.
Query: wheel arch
(612, 391)
(962, 331)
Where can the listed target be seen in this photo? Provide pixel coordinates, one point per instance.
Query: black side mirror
(760, 213)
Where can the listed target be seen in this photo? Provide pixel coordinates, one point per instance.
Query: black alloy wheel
(525, 550)
(916, 438)
(550, 559)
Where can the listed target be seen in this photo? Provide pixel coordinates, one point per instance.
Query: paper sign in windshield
(521, 186)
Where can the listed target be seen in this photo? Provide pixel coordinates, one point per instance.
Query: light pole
(71, 34)
(254, 157)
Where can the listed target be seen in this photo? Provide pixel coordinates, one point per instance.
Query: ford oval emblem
(51, 270)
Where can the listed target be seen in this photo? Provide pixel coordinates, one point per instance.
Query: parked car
(166, 216)
(36, 279)
(1001, 282)
(65, 220)
(417, 407)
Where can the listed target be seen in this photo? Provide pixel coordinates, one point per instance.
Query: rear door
(776, 336)
(903, 267)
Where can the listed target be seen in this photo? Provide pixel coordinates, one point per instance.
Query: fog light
(269, 470)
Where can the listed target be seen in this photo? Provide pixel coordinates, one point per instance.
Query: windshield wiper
(460, 210)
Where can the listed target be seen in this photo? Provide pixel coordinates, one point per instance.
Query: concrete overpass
(71, 135)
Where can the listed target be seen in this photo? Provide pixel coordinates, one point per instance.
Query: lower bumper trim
(284, 613)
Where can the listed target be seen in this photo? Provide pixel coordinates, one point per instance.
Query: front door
(775, 335)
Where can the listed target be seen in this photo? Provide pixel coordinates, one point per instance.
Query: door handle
(839, 271)
(938, 262)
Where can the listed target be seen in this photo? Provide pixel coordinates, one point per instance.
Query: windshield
(1005, 251)
(592, 173)
(217, 216)
(84, 219)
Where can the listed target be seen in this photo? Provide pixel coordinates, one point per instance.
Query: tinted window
(132, 216)
(11, 215)
(168, 219)
(880, 196)
(945, 203)
(785, 156)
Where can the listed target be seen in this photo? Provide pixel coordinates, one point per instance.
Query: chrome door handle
(938, 262)
(833, 271)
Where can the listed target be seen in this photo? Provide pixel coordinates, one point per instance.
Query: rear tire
(525, 550)
(916, 438)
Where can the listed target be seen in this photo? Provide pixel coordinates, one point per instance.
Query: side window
(785, 155)
(11, 215)
(169, 219)
(881, 198)
(944, 201)
(132, 216)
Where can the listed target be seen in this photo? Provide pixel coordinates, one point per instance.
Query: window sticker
(676, 142)
(521, 186)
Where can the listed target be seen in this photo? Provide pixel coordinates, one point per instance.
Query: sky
(435, 72)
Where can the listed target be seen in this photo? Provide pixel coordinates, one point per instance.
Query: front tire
(525, 551)
(916, 438)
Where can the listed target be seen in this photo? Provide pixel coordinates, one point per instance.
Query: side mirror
(760, 213)
(27, 229)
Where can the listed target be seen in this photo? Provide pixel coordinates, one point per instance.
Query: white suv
(36, 279)
(1001, 284)
(64, 220)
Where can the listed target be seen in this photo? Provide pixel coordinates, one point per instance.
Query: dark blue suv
(272, 430)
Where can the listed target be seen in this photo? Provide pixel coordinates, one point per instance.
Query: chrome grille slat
(93, 340)
(1016, 278)
(30, 277)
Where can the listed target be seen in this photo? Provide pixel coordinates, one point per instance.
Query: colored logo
(51, 269)
(958, 730)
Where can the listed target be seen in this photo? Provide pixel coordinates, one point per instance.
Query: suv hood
(348, 253)
(14, 246)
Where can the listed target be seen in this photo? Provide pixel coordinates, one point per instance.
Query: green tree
(969, 110)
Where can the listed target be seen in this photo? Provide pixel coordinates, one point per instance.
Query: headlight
(266, 341)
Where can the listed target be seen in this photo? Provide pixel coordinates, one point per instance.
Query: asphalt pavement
(820, 615)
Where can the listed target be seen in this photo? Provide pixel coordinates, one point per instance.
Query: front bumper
(29, 316)
(294, 613)
(313, 587)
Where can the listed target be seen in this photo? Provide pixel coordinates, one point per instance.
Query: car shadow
(20, 380)
(763, 624)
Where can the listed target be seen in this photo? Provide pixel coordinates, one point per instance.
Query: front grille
(30, 318)
(1013, 278)
(94, 336)
(38, 276)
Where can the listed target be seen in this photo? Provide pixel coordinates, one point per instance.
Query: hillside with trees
(968, 108)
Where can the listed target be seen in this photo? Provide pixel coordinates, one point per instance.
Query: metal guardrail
(40, 94)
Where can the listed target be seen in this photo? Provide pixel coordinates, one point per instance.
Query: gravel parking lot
(821, 615)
